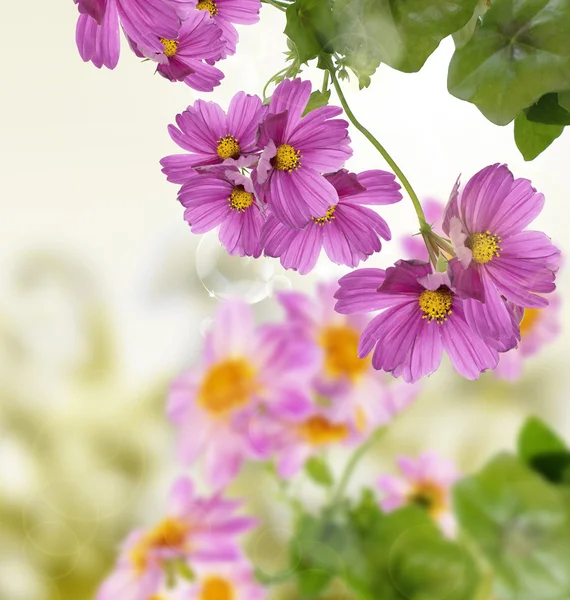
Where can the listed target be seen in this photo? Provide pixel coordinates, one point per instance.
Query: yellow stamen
(228, 147)
(208, 5)
(430, 496)
(170, 47)
(169, 533)
(484, 246)
(227, 385)
(436, 304)
(340, 343)
(320, 431)
(530, 317)
(240, 199)
(326, 219)
(286, 158)
(217, 588)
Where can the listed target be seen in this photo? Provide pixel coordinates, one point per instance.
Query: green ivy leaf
(462, 36)
(564, 100)
(316, 100)
(402, 33)
(310, 26)
(520, 52)
(534, 138)
(521, 524)
(548, 111)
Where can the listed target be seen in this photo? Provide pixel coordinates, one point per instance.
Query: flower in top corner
(297, 149)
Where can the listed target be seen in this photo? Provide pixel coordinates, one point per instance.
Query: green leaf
(402, 34)
(316, 100)
(520, 522)
(310, 26)
(548, 111)
(564, 100)
(520, 52)
(462, 36)
(533, 138)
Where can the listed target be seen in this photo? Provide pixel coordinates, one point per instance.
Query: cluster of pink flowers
(297, 198)
(184, 37)
(473, 308)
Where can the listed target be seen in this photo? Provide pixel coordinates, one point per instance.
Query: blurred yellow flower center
(430, 496)
(319, 431)
(326, 219)
(170, 47)
(169, 533)
(484, 246)
(530, 317)
(208, 5)
(240, 199)
(286, 158)
(340, 344)
(227, 385)
(217, 588)
(436, 304)
(156, 597)
(228, 147)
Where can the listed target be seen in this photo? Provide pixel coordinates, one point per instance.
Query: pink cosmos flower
(144, 21)
(296, 150)
(349, 232)
(226, 12)
(222, 196)
(423, 316)
(538, 327)
(196, 530)
(414, 246)
(497, 258)
(245, 372)
(211, 137)
(427, 482)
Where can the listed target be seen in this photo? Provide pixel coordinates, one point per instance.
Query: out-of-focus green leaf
(521, 524)
(548, 111)
(520, 52)
(401, 33)
(534, 138)
(564, 100)
(316, 100)
(311, 27)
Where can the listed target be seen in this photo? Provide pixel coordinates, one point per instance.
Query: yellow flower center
(169, 533)
(320, 431)
(436, 304)
(485, 246)
(430, 496)
(217, 588)
(156, 597)
(208, 5)
(228, 147)
(227, 385)
(529, 320)
(287, 158)
(240, 199)
(340, 343)
(170, 47)
(326, 219)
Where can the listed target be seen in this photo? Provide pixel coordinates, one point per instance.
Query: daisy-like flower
(227, 12)
(349, 232)
(145, 22)
(424, 316)
(195, 530)
(426, 482)
(497, 258)
(538, 327)
(223, 197)
(296, 150)
(210, 137)
(245, 372)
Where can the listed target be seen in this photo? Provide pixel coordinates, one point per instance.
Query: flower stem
(353, 462)
(381, 149)
(282, 6)
(325, 83)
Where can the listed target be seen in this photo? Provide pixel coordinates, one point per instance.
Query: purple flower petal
(291, 95)
(358, 292)
(466, 282)
(381, 188)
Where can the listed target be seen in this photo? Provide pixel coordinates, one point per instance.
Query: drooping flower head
(423, 316)
(245, 371)
(426, 482)
(195, 530)
(210, 137)
(497, 258)
(349, 232)
(296, 150)
(223, 197)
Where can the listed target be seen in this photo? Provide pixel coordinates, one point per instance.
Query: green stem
(325, 83)
(381, 149)
(352, 464)
(280, 5)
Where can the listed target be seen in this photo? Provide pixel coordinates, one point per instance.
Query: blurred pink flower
(427, 482)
